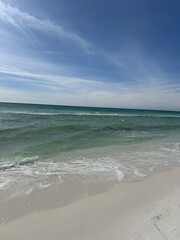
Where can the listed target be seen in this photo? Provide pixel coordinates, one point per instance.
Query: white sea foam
(119, 174)
(44, 174)
(32, 173)
(172, 147)
(38, 174)
(31, 113)
(91, 114)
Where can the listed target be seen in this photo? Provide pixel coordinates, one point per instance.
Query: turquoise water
(42, 145)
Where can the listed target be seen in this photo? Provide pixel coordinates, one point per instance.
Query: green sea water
(41, 141)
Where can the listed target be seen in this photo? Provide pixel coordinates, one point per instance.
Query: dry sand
(142, 210)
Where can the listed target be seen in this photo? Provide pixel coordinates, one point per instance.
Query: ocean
(42, 146)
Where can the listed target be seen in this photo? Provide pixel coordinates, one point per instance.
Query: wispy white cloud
(48, 80)
(24, 22)
(57, 89)
(144, 99)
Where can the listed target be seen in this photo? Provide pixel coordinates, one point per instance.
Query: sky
(106, 53)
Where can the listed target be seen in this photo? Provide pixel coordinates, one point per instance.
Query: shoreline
(147, 209)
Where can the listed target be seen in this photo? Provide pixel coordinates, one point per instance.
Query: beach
(148, 209)
(89, 120)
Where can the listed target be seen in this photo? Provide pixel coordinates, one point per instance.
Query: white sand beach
(147, 210)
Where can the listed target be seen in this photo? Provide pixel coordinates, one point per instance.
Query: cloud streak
(56, 89)
(25, 22)
(144, 99)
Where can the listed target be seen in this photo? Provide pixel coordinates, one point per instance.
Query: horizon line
(78, 106)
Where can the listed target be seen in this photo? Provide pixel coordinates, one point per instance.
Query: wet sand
(146, 210)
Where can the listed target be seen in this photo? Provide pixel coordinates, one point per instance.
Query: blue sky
(118, 53)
